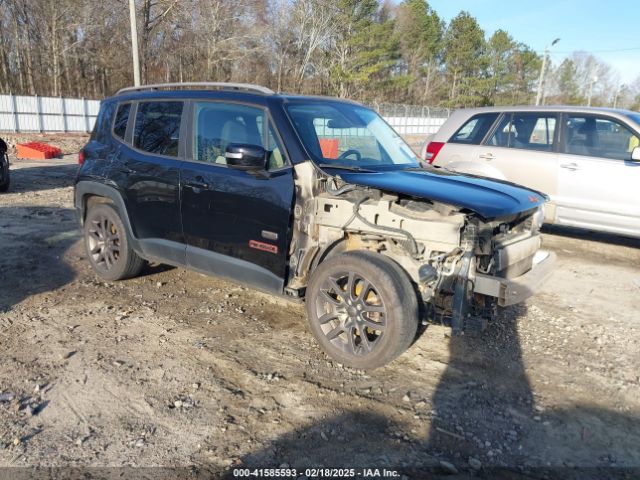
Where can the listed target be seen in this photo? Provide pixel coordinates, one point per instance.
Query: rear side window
(157, 128)
(475, 129)
(122, 117)
(526, 131)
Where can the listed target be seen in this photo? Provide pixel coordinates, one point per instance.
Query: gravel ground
(176, 369)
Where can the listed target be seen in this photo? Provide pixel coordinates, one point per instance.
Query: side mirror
(246, 157)
(635, 154)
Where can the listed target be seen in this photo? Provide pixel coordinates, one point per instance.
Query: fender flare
(85, 189)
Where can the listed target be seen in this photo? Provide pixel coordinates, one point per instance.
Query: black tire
(5, 177)
(378, 324)
(107, 245)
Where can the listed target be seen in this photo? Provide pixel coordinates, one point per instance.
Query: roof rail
(203, 85)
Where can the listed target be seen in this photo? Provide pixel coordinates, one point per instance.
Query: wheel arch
(353, 244)
(91, 193)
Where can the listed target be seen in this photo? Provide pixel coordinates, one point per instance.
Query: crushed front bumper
(510, 291)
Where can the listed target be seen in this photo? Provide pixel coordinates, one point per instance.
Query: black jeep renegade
(313, 198)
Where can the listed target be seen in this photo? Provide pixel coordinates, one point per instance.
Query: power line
(593, 51)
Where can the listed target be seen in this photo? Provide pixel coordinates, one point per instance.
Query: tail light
(80, 157)
(432, 150)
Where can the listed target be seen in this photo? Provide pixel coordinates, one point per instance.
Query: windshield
(345, 135)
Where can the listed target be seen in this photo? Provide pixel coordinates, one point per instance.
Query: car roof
(549, 108)
(242, 92)
(461, 116)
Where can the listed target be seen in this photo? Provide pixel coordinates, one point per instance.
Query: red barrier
(37, 151)
(329, 147)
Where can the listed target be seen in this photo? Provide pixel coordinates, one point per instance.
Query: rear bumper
(510, 291)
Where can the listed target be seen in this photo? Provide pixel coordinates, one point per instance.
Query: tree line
(368, 50)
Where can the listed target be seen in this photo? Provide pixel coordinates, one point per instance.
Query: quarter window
(599, 137)
(157, 128)
(475, 129)
(122, 118)
(525, 131)
(101, 128)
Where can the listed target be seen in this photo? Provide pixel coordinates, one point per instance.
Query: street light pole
(134, 43)
(540, 93)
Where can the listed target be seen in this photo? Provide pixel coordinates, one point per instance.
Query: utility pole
(621, 88)
(540, 93)
(134, 43)
(593, 80)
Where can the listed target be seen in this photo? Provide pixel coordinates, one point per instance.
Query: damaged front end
(463, 265)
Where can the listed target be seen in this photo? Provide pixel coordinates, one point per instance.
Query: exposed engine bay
(463, 266)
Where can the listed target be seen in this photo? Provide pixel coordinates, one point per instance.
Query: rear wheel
(107, 245)
(362, 309)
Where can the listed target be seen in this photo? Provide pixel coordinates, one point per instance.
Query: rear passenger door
(147, 170)
(522, 148)
(598, 182)
(236, 223)
(459, 152)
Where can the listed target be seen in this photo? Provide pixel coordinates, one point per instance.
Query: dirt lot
(177, 369)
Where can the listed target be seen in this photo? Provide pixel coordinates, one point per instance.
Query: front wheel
(362, 309)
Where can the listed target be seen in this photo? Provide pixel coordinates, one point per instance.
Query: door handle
(570, 166)
(126, 171)
(487, 156)
(195, 185)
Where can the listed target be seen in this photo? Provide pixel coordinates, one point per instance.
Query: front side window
(474, 130)
(599, 137)
(157, 128)
(218, 125)
(343, 134)
(525, 131)
(122, 118)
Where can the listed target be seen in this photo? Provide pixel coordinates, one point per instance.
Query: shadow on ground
(34, 241)
(582, 234)
(483, 394)
(37, 178)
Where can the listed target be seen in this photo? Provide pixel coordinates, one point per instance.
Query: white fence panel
(20, 113)
(6, 122)
(53, 123)
(51, 105)
(93, 107)
(28, 122)
(26, 104)
(74, 106)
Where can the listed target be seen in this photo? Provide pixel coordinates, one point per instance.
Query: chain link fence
(412, 119)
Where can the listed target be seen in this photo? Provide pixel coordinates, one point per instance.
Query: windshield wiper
(345, 167)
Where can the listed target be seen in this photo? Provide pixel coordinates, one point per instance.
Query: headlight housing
(538, 218)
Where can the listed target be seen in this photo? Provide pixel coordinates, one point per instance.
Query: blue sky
(597, 26)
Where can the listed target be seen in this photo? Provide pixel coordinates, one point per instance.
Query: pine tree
(465, 59)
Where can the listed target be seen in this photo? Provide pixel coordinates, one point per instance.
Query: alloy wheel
(104, 242)
(351, 313)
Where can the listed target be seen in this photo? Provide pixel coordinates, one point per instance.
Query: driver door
(236, 223)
